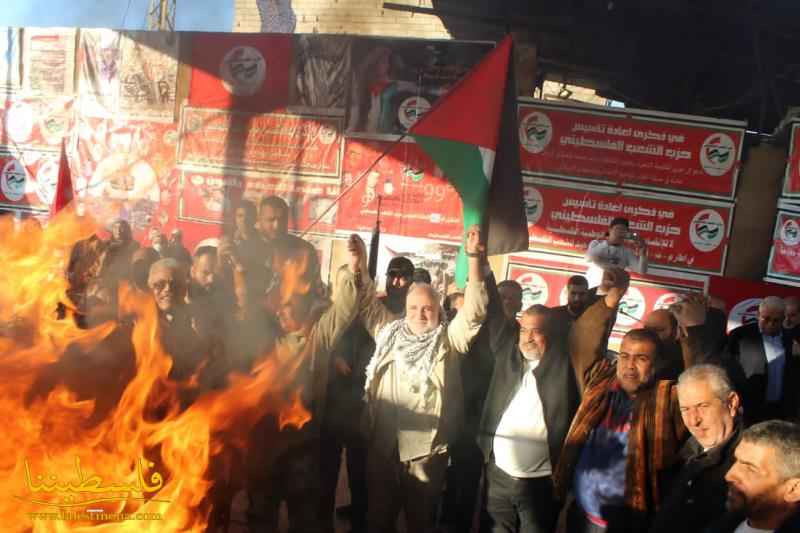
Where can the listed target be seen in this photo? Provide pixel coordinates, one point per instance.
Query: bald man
(669, 364)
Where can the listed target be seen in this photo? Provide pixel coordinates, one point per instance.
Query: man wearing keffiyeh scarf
(414, 396)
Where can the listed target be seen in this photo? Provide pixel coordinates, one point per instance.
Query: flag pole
(374, 243)
(356, 182)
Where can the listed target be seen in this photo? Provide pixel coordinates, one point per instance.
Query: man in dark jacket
(764, 481)
(578, 300)
(709, 408)
(531, 401)
(762, 357)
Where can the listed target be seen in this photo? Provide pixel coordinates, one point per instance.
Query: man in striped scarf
(627, 433)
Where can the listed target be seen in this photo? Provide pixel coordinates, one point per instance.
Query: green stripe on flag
(462, 165)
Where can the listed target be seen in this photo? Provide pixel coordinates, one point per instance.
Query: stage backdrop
(173, 130)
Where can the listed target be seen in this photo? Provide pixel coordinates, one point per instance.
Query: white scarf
(413, 354)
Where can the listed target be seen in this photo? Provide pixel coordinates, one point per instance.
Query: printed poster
(132, 74)
(240, 71)
(681, 232)
(35, 123)
(28, 179)
(631, 148)
(791, 182)
(124, 169)
(267, 142)
(209, 196)
(49, 61)
(395, 81)
(415, 199)
(784, 261)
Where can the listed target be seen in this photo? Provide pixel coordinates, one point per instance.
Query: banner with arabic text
(784, 261)
(48, 56)
(209, 196)
(742, 297)
(546, 284)
(681, 232)
(630, 148)
(791, 182)
(268, 142)
(28, 179)
(416, 200)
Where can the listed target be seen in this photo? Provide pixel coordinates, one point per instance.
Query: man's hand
(616, 282)
(472, 244)
(357, 261)
(342, 368)
(691, 311)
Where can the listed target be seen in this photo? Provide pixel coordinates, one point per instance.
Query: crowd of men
(465, 412)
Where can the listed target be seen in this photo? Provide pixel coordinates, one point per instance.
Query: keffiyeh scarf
(413, 354)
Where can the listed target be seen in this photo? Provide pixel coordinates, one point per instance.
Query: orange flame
(67, 464)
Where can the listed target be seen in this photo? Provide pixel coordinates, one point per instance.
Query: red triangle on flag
(64, 194)
(470, 112)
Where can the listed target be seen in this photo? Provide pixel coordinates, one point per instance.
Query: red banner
(784, 260)
(35, 123)
(28, 179)
(631, 148)
(264, 142)
(742, 297)
(416, 201)
(684, 233)
(546, 285)
(240, 71)
(207, 196)
(791, 183)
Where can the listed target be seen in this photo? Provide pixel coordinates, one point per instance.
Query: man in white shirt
(764, 481)
(611, 252)
(532, 398)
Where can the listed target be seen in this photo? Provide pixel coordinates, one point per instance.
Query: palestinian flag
(471, 135)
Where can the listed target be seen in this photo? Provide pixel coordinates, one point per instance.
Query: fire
(62, 456)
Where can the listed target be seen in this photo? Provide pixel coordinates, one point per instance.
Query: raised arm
(691, 317)
(470, 317)
(588, 339)
(337, 319)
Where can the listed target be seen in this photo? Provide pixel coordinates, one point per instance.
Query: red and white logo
(535, 132)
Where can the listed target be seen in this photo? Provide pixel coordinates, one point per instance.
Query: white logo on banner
(534, 205)
(243, 71)
(665, 300)
(717, 154)
(411, 109)
(19, 122)
(631, 308)
(535, 132)
(790, 232)
(13, 180)
(743, 313)
(47, 181)
(707, 230)
(534, 289)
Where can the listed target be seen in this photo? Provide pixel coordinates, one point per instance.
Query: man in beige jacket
(415, 397)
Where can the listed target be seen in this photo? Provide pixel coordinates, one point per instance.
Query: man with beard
(342, 421)
(578, 299)
(764, 481)
(791, 321)
(531, 402)
(414, 396)
(626, 435)
(709, 407)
